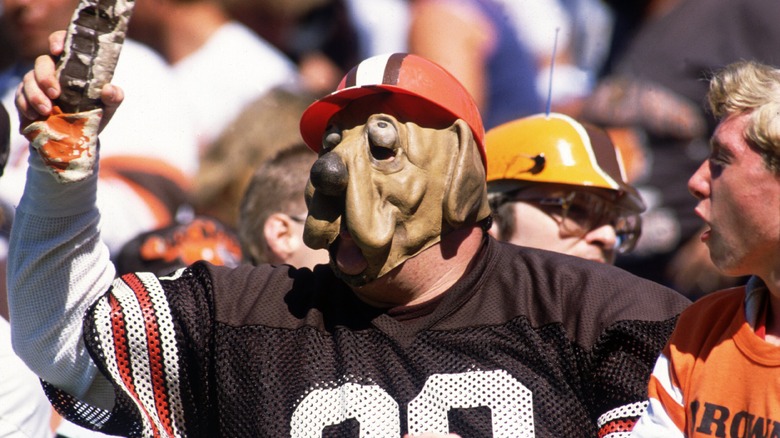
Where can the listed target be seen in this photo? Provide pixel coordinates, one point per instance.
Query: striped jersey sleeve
(665, 414)
(139, 354)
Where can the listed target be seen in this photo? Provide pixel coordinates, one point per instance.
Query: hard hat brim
(407, 106)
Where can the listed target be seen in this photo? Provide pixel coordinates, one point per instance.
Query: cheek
(760, 213)
(534, 228)
(407, 190)
(745, 216)
(736, 201)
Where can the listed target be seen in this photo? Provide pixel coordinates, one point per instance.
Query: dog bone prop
(67, 140)
(92, 46)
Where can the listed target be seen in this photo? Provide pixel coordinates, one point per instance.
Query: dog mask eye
(383, 139)
(331, 138)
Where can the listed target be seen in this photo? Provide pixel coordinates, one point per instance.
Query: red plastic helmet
(417, 89)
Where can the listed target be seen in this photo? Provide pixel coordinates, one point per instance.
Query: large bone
(92, 46)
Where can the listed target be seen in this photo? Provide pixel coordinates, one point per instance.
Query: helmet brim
(401, 103)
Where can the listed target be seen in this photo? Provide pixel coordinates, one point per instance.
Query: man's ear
(280, 237)
(466, 199)
(493, 230)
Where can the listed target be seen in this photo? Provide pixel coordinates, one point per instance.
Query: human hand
(36, 94)
(67, 143)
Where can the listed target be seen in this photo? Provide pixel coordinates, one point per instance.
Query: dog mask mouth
(376, 194)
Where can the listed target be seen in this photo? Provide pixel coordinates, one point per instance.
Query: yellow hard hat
(555, 148)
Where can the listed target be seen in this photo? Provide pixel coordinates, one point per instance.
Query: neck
(427, 275)
(190, 25)
(773, 312)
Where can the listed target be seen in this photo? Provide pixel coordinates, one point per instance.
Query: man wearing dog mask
(422, 323)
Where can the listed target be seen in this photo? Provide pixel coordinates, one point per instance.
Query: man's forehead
(729, 135)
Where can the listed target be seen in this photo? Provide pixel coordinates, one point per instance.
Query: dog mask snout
(329, 175)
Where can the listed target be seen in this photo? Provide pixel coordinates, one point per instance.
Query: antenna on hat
(552, 66)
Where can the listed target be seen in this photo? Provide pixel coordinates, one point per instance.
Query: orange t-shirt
(716, 377)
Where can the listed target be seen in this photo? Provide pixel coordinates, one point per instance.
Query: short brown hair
(276, 186)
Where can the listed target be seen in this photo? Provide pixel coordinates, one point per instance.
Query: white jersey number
(509, 401)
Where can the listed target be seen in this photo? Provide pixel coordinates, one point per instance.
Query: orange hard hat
(417, 90)
(555, 148)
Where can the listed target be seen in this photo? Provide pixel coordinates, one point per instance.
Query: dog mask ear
(465, 201)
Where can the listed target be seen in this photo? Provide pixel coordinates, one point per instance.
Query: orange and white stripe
(618, 422)
(665, 415)
(135, 329)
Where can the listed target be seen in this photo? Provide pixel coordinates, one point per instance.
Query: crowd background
(618, 65)
(637, 69)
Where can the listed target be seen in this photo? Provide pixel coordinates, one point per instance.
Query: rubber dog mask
(384, 188)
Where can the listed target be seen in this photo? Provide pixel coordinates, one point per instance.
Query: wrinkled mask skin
(382, 191)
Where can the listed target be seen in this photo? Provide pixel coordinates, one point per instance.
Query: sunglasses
(577, 213)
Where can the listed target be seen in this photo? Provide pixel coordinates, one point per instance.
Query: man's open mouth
(347, 255)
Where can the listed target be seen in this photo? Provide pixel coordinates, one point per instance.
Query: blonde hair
(754, 88)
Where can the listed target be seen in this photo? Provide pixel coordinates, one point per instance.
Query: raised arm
(57, 264)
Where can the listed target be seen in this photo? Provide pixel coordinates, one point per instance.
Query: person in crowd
(24, 409)
(266, 126)
(7, 51)
(421, 322)
(569, 40)
(164, 250)
(476, 41)
(273, 211)
(717, 375)
(319, 36)
(146, 172)
(219, 64)
(655, 87)
(382, 26)
(557, 184)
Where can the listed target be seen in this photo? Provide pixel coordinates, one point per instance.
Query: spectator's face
(30, 22)
(739, 201)
(580, 231)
